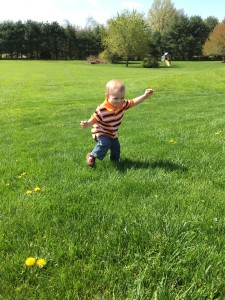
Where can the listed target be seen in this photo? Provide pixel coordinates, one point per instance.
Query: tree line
(127, 36)
(39, 40)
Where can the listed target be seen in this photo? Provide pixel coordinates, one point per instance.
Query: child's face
(116, 98)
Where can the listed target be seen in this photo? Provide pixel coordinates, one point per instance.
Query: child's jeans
(105, 143)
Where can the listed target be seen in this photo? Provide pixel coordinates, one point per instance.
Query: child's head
(115, 92)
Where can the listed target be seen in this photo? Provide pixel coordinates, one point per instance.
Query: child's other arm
(85, 124)
(143, 97)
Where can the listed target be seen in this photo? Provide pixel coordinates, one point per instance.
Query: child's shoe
(90, 160)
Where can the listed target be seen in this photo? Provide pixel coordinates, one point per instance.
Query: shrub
(93, 59)
(109, 57)
(150, 62)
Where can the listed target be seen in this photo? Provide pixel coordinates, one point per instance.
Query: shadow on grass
(126, 164)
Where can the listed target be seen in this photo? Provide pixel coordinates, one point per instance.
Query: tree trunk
(127, 61)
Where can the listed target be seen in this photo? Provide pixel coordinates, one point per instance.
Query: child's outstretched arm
(85, 124)
(143, 97)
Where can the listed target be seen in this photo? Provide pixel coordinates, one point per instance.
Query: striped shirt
(107, 118)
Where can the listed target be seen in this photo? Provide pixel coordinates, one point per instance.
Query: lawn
(151, 227)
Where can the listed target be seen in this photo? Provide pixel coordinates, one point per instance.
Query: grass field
(152, 227)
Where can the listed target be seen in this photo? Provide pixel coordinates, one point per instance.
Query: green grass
(152, 227)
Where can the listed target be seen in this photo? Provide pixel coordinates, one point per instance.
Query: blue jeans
(105, 143)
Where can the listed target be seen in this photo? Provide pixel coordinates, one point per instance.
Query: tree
(160, 14)
(155, 44)
(198, 33)
(52, 37)
(57, 38)
(32, 39)
(7, 38)
(185, 36)
(215, 44)
(18, 38)
(71, 40)
(90, 39)
(176, 37)
(211, 23)
(127, 35)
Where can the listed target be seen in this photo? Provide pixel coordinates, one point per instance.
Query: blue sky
(78, 11)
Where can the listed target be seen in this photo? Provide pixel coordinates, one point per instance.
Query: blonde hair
(114, 85)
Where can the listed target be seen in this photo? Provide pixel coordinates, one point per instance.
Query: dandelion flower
(218, 132)
(171, 141)
(29, 192)
(41, 262)
(21, 175)
(30, 261)
(7, 184)
(37, 189)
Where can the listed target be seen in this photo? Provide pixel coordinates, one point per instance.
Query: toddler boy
(107, 119)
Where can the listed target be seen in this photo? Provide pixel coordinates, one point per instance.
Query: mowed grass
(151, 227)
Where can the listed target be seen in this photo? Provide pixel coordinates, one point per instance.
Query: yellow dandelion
(29, 192)
(21, 175)
(30, 261)
(7, 184)
(171, 141)
(218, 132)
(37, 189)
(41, 262)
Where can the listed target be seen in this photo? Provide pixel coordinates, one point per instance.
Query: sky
(78, 11)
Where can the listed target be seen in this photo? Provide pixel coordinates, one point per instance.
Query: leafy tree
(160, 14)
(127, 35)
(215, 44)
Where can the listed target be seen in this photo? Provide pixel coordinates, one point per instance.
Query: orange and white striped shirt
(107, 118)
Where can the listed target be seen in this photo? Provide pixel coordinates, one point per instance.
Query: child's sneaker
(90, 160)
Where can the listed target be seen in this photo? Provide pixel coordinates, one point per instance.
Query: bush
(104, 57)
(150, 62)
(93, 59)
(109, 57)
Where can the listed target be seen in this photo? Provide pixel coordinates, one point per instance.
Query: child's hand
(84, 124)
(148, 92)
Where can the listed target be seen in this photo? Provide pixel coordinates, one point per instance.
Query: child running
(107, 119)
